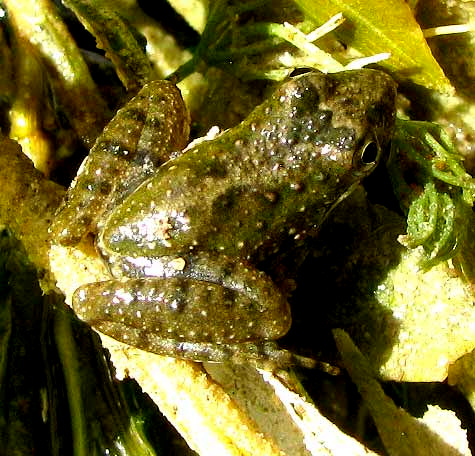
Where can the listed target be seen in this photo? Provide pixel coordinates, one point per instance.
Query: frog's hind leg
(184, 309)
(189, 318)
(208, 308)
(264, 355)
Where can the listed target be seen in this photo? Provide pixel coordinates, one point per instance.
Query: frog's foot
(193, 319)
(264, 355)
(187, 310)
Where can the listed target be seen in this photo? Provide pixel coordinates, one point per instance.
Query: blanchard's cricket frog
(183, 231)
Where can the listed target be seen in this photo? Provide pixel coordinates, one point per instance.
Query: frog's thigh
(181, 309)
(264, 354)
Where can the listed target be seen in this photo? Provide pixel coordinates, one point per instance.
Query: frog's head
(352, 113)
(340, 126)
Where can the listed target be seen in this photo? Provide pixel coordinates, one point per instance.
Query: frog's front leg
(142, 136)
(235, 316)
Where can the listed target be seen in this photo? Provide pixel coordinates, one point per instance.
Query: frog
(183, 230)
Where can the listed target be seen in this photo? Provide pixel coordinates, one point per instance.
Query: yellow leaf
(373, 26)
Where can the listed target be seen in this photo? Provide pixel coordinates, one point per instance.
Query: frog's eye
(369, 153)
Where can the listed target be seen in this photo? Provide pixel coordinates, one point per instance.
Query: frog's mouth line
(372, 165)
(335, 203)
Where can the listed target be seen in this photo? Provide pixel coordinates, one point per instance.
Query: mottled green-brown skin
(183, 245)
(139, 139)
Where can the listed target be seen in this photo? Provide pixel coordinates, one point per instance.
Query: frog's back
(277, 173)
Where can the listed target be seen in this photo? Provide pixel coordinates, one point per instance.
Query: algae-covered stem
(38, 22)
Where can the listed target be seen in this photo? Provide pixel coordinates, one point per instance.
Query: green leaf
(373, 27)
(432, 185)
(39, 23)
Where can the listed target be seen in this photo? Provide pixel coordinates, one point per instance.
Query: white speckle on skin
(178, 264)
(150, 266)
(124, 296)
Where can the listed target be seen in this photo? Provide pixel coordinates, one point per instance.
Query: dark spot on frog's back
(120, 149)
(242, 207)
(154, 123)
(114, 147)
(210, 166)
(136, 115)
(102, 187)
(226, 201)
(306, 97)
